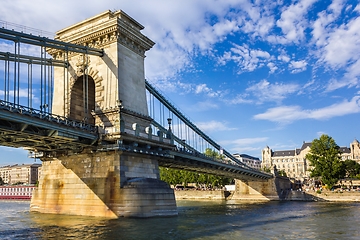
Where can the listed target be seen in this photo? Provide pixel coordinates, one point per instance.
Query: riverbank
(326, 196)
(218, 195)
(200, 195)
(330, 196)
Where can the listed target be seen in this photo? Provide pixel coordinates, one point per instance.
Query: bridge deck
(25, 127)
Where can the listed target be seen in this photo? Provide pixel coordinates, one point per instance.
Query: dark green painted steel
(25, 127)
(48, 43)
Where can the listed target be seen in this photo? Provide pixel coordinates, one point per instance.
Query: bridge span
(101, 129)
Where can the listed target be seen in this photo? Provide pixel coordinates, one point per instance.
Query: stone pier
(276, 188)
(106, 184)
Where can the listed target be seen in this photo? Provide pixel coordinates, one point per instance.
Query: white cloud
(23, 93)
(246, 58)
(266, 91)
(5, 46)
(26, 49)
(292, 21)
(180, 29)
(204, 106)
(297, 66)
(288, 114)
(284, 58)
(283, 114)
(180, 39)
(245, 149)
(188, 88)
(243, 145)
(164, 66)
(320, 133)
(326, 17)
(343, 44)
(338, 45)
(334, 84)
(353, 71)
(203, 88)
(272, 67)
(213, 126)
(357, 8)
(338, 109)
(256, 19)
(240, 98)
(246, 141)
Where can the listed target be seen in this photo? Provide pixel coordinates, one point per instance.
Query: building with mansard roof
(294, 162)
(250, 161)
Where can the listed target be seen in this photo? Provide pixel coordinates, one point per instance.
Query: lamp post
(168, 133)
(169, 122)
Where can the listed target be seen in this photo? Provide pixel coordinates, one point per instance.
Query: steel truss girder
(40, 143)
(6, 56)
(17, 134)
(48, 43)
(200, 164)
(21, 127)
(47, 117)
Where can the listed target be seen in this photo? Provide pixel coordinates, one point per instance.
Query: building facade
(250, 161)
(294, 162)
(25, 173)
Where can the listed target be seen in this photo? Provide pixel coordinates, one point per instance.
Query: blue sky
(248, 73)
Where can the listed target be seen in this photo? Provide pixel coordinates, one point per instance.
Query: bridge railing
(25, 29)
(186, 135)
(40, 114)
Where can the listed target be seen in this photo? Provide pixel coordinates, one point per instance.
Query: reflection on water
(196, 220)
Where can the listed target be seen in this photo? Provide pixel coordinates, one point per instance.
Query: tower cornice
(104, 29)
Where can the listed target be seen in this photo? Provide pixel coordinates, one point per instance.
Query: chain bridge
(80, 102)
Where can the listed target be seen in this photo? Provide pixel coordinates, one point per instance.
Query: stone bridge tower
(113, 80)
(113, 179)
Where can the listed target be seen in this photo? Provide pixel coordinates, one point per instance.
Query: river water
(196, 220)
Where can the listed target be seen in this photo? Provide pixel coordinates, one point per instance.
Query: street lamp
(168, 134)
(169, 122)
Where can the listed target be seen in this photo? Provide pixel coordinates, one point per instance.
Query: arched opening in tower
(83, 99)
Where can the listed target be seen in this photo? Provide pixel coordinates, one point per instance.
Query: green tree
(351, 168)
(282, 173)
(170, 175)
(216, 181)
(213, 154)
(266, 169)
(324, 157)
(175, 176)
(188, 177)
(1, 181)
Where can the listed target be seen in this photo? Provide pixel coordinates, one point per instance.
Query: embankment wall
(291, 196)
(329, 196)
(200, 195)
